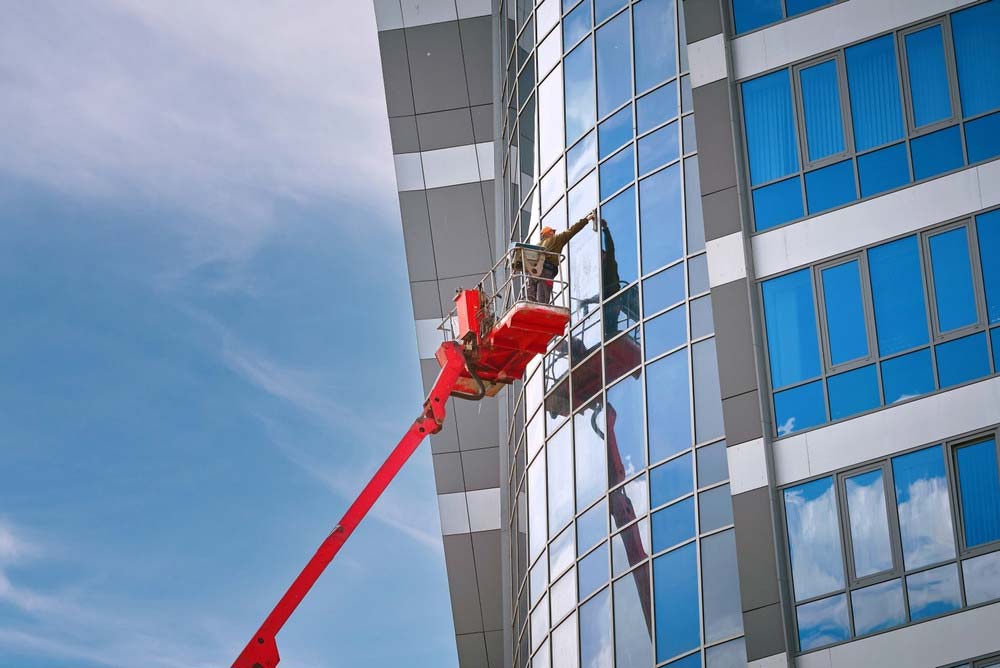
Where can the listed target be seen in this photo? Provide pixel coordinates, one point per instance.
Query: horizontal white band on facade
(868, 222)
(726, 259)
(707, 59)
(920, 422)
(828, 29)
(465, 512)
(938, 642)
(443, 167)
(773, 661)
(747, 466)
(394, 14)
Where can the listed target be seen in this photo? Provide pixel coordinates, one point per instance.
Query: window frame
(948, 46)
(869, 313)
(895, 570)
(798, 108)
(975, 270)
(730, 9)
(957, 511)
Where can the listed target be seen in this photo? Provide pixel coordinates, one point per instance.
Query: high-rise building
(770, 435)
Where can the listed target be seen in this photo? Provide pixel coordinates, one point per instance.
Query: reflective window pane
(853, 392)
(669, 414)
(777, 203)
(625, 430)
(674, 524)
(659, 148)
(666, 332)
(923, 507)
(538, 579)
(561, 552)
(701, 319)
(821, 111)
(537, 524)
(630, 546)
(562, 595)
(712, 466)
(593, 570)
(579, 73)
(551, 131)
(933, 592)
(689, 661)
(952, 275)
(988, 229)
(619, 254)
(847, 333)
(770, 127)
(977, 56)
(715, 509)
(898, 295)
(928, 70)
(883, 170)
(614, 64)
(795, 7)
(675, 595)
(752, 14)
(869, 522)
(559, 452)
(663, 289)
(799, 408)
(617, 171)
(606, 8)
(671, 480)
(823, 622)
(564, 646)
(830, 187)
(707, 395)
(660, 218)
(590, 453)
(982, 578)
(937, 153)
(814, 538)
(655, 42)
(633, 643)
(591, 527)
(962, 360)
(576, 24)
(657, 107)
(878, 607)
(721, 586)
(698, 274)
(979, 492)
(595, 632)
(581, 158)
(907, 376)
(614, 132)
(790, 318)
(540, 626)
(873, 82)
(732, 654)
(982, 138)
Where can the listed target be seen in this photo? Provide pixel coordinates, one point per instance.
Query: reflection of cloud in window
(982, 578)
(933, 591)
(925, 522)
(787, 427)
(823, 622)
(869, 525)
(878, 607)
(814, 539)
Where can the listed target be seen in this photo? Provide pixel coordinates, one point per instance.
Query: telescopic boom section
(262, 650)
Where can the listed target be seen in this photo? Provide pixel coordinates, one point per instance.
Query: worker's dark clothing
(540, 289)
(612, 282)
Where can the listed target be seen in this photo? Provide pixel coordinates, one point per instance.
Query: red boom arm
(262, 650)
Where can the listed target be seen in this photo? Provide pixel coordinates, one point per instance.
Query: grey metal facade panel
(448, 285)
(472, 650)
(481, 468)
(734, 339)
(721, 212)
(486, 548)
(702, 18)
(482, 123)
(741, 417)
(437, 69)
(494, 649)
(463, 584)
(478, 423)
(755, 547)
(395, 73)
(448, 477)
(458, 223)
(445, 440)
(417, 235)
(489, 194)
(476, 36)
(443, 129)
(765, 633)
(426, 299)
(712, 119)
(403, 134)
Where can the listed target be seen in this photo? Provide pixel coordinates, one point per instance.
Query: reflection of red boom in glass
(624, 513)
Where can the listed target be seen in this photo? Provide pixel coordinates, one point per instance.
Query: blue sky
(207, 344)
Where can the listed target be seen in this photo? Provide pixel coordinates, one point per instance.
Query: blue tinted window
(988, 227)
(752, 14)
(847, 334)
(674, 524)
(982, 138)
(791, 328)
(578, 73)
(664, 289)
(669, 416)
(799, 408)
(981, 581)
(689, 661)
(962, 360)
(796, 7)
(614, 132)
(977, 56)
(883, 170)
(995, 333)
(933, 592)
(924, 510)
(715, 508)
(617, 171)
(595, 631)
(721, 593)
(671, 480)
(581, 158)
(823, 622)
(777, 203)
(576, 24)
(853, 392)
(979, 489)
(675, 592)
(619, 254)
(593, 571)
(821, 110)
(907, 376)
(660, 218)
(712, 465)
(928, 75)
(626, 426)
(937, 153)
(591, 527)
(953, 292)
(655, 32)
(658, 148)
(656, 107)
(878, 607)
(614, 65)
(666, 332)
(830, 186)
(871, 544)
(814, 538)
(898, 295)
(606, 8)
(873, 81)
(770, 127)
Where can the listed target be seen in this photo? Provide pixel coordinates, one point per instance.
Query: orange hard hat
(547, 231)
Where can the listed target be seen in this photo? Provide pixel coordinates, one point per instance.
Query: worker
(540, 289)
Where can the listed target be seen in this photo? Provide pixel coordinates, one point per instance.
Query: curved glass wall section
(623, 551)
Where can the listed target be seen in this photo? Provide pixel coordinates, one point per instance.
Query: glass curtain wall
(623, 551)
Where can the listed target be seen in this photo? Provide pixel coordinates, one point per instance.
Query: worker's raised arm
(561, 239)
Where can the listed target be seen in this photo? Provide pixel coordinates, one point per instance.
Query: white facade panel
(484, 509)
(726, 259)
(423, 12)
(454, 513)
(450, 166)
(707, 58)
(409, 172)
(747, 466)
